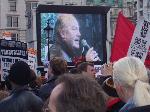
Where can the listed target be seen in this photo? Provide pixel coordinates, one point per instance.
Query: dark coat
(140, 109)
(115, 105)
(46, 89)
(65, 52)
(21, 100)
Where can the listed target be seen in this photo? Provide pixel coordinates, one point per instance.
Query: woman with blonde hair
(131, 82)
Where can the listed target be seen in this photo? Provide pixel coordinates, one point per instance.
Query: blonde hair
(130, 72)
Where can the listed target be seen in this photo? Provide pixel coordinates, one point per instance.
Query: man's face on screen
(71, 33)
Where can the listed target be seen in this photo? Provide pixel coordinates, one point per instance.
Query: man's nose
(78, 33)
(94, 71)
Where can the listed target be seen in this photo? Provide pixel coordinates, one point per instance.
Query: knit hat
(20, 73)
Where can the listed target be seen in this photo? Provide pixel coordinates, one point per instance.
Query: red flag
(123, 35)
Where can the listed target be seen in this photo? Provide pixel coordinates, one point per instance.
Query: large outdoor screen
(70, 31)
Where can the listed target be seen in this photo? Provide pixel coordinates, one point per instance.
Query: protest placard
(11, 51)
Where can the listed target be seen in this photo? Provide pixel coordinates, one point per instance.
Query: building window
(31, 5)
(28, 6)
(115, 12)
(141, 4)
(89, 2)
(130, 8)
(70, 3)
(34, 5)
(135, 5)
(12, 21)
(14, 36)
(141, 13)
(12, 4)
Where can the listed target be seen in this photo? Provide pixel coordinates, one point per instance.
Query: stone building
(12, 19)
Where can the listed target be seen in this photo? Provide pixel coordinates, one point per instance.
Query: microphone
(85, 44)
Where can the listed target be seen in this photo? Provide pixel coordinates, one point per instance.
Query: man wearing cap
(20, 99)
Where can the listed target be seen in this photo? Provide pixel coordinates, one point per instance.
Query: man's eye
(74, 28)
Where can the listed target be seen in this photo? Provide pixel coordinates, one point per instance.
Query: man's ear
(62, 34)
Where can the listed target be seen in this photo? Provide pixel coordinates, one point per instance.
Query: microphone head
(84, 43)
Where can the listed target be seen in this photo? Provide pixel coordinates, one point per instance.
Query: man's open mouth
(76, 40)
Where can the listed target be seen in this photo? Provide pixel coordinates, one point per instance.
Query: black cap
(20, 73)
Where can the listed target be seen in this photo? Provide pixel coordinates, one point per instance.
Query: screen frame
(72, 10)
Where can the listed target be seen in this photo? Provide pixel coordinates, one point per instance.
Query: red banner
(123, 35)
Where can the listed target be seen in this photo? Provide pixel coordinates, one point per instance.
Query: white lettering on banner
(140, 42)
(6, 62)
(14, 52)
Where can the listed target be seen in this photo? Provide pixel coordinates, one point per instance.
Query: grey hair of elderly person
(131, 80)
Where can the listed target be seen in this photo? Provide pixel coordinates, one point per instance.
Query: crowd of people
(122, 87)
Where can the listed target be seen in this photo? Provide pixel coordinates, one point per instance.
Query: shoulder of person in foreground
(45, 90)
(141, 109)
(36, 102)
(25, 100)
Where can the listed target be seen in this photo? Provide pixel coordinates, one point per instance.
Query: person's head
(57, 66)
(87, 67)
(74, 71)
(33, 75)
(32, 84)
(77, 93)
(131, 80)
(20, 73)
(67, 30)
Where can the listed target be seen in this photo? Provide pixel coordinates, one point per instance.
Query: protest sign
(11, 51)
(32, 58)
(140, 42)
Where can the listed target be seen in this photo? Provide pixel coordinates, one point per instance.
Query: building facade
(142, 8)
(12, 19)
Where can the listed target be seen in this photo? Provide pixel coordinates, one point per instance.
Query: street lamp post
(49, 31)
